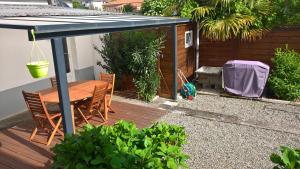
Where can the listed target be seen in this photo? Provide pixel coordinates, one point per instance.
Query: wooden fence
(214, 53)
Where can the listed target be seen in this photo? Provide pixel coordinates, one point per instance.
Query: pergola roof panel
(52, 26)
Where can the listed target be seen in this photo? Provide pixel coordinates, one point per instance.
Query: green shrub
(284, 80)
(77, 4)
(128, 8)
(155, 7)
(122, 146)
(182, 8)
(286, 12)
(289, 158)
(134, 53)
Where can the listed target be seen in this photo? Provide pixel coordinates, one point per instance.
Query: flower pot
(38, 69)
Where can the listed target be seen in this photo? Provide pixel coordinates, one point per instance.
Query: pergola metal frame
(56, 28)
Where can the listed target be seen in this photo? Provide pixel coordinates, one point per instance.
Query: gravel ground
(235, 133)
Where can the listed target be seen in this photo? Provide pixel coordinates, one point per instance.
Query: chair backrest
(98, 97)
(36, 106)
(110, 78)
(53, 82)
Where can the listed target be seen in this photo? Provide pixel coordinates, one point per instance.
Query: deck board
(17, 152)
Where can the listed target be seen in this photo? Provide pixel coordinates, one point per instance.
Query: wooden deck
(16, 152)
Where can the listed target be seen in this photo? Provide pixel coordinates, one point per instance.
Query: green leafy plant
(289, 158)
(155, 7)
(224, 19)
(287, 12)
(181, 8)
(228, 19)
(143, 66)
(284, 80)
(134, 53)
(77, 4)
(128, 8)
(123, 146)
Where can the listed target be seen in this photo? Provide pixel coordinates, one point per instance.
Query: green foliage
(287, 12)
(228, 19)
(143, 66)
(289, 158)
(284, 80)
(224, 19)
(77, 4)
(128, 8)
(181, 8)
(155, 7)
(134, 53)
(123, 146)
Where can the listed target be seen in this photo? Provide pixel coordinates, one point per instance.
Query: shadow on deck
(17, 152)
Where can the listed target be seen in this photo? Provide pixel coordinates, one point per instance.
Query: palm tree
(227, 19)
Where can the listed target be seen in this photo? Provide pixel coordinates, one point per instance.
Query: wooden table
(77, 91)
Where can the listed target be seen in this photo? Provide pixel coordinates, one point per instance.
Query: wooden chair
(53, 81)
(110, 78)
(42, 118)
(88, 107)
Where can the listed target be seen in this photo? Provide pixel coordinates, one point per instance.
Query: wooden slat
(218, 53)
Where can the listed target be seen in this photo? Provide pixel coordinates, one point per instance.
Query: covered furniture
(245, 78)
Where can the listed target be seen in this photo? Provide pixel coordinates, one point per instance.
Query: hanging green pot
(38, 69)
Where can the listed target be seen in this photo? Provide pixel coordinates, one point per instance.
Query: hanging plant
(38, 68)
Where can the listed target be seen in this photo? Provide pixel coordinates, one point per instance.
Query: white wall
(84, 52)
(15, 51)
(14, 54)
(84, 55)
(96, 41)
(97, 5)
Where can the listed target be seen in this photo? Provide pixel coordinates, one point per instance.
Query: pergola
(55, 28)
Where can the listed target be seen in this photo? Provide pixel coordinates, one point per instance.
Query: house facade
(94, 4)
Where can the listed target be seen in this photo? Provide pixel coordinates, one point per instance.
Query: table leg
(73, 119)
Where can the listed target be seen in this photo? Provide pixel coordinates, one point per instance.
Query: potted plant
(38, 68)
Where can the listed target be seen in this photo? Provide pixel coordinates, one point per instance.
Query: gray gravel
(235, 133)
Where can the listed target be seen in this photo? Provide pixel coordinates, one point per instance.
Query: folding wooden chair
(88, 107)
(110, 78)
(53, 81)
(43, 120)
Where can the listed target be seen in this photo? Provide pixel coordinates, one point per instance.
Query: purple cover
(245, 78)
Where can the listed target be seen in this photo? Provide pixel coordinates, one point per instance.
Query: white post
(197, 48)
